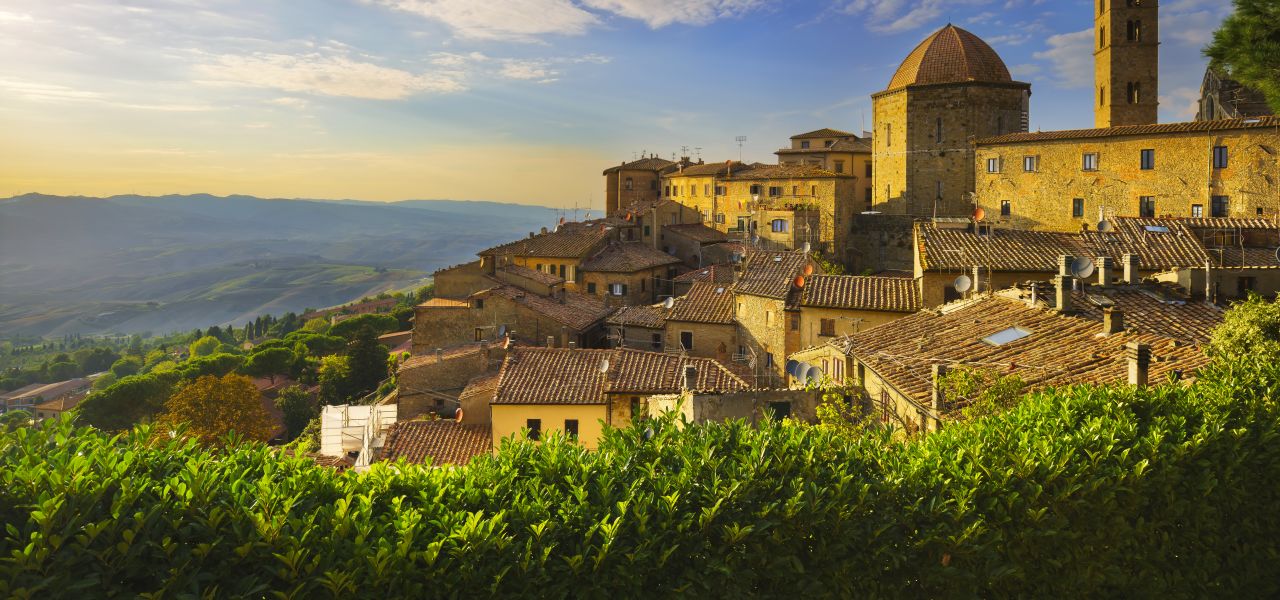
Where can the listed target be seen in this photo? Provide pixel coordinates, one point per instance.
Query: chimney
(1062, 290)
(1112, 321)
(939, 397)
(1106, 270)
(551, 341)
(1139, 357)
(1208, 282)
(544, 231)
(1131, 275)
(530, 235)
(573, 345)
(977, 280)
(439, 355)
(1064, 264)
(1031, 302)
(690, 377)
(563, 294)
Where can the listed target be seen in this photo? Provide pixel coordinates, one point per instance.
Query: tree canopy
(211, 407)
(1247, 47)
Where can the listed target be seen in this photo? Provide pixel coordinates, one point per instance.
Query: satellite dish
(502, 330)
(979, 214)
(813, 375)
(457, 414)
(801, 370)
(668, 303)
(604, 366)
(791, 367)
(807, 247)
(1278, 255)
(1082, 268)
(800, 282)
(963, 284)
(1104, 226)
(808, 270)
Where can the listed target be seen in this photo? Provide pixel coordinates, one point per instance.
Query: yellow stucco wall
(510, 419)
(847, 322)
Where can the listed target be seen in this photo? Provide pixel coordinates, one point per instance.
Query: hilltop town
(949, 237)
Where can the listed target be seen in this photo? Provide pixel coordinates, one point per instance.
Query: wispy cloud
(660, 13)
(1072, 57)
(325, 75)
(894, 16)
(517, 20)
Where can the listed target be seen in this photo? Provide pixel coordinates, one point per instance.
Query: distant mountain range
(129, 264)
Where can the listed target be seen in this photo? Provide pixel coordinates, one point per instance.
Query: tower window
(937, 136)
(1147, 207)
(1102, 36)
(1133, 31)
(1102, 95)
(1135, 92)
(1148, 159)
(627, 183)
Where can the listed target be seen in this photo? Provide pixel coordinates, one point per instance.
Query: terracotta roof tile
(895, 294)
(484, 385)
(446, 354)
(570, 240)
(705, 303)
(627, 257)
(951, 55)
(771, 274)
(1059, 350)
(711, 169)
(578, 311)
(652, 317)
(439, 442)
(1188, 127)
(651, 163)
(825, 132)
(574, 376)
(783, 172)
(444, 303)
(535, 275)
(634, 371)
(711, 274)
(1038, 251)
(697, 232)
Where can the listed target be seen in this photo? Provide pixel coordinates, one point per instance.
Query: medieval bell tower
(1126, 62)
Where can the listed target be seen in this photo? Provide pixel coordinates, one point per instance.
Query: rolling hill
(129, 264)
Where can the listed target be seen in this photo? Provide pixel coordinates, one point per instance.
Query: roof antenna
(740, 139)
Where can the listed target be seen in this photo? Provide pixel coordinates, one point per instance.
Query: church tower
(1126, 62)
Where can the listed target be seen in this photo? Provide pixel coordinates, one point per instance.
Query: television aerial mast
(741, 140)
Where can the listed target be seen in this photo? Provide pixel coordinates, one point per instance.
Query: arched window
(938, 134)
(1102, 36)
(1102, 95)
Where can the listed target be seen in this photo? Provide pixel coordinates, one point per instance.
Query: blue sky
(522, 101)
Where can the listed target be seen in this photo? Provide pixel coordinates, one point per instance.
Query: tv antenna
(684, 151)
(741, 140)
(698, 153)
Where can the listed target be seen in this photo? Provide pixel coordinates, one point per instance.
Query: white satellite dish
(604, 366)
(1278, 255)
(502, 330)
(807, 247)
(1082, 268)
(1104, 226)
(813, 374)
(963, 284)
(668, 303)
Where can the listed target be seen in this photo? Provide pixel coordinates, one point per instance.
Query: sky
(522, 101)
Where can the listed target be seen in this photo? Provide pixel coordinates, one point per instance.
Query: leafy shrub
(1078, 492)
(380, 324)
(127, 401)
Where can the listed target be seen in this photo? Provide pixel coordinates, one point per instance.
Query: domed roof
(951, 55)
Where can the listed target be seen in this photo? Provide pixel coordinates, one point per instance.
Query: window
(666, 190)
(1244, 285)
(719, 218)
(1102, 95)
(778, 225)
(591, 288)
(813, 191)
(804, 145)
(1006, 336)
(1148, 159)
(828, 328)
(686, 340)
(480, 303)
(755, 189)
(535, 428)
(1133, 31)
(888, 135)
(573, 273)
(571, 428)
(1219, 157)
(1030, 163)
(839, 166)
(719, 190)
(1219, 207)
(1091, 161)
(775, 190)
(795, 322)
(1147, 207)
(1135, 92)
(868, 169)
(1077, 207)
(1005, 209)
(869, 197)
(937, 134)
(938, 190)
(657, 341)
(993, 165)
(1197, 210)
(479, 334)
(828, 143)
(617, 289)
(779, 410)
(1102, 36)
(795, 191)
(627, 184)
(706, 189)
(646, 231)
(768, 360)
(693, 190)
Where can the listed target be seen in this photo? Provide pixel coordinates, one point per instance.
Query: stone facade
(425, 382)
(460, 281)
(763, 333)
(752, 406)
(1059, 194)
(710, 340)
(808, 323)
(641, 287)
(1126, 62)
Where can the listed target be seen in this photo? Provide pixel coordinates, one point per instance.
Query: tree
(317, 325)
(368, 361)
(270, 362)
(105, 381)
(299, 409)
(1247, 47)
(94, 360)
(14, 419)
(127, 401)
(204, 346)
(211, 407)
(982, 392)
(126, 366)
(379, 324)
(61, 371)
(1250, 328)
(219, 364)
(334, 375)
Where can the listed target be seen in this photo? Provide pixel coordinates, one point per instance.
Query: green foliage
(379, 324)
(1080, 492)
(105, 381)
(829, 267)
(1251, 327)
(1247, 47)
(270, 362)
(14, 419)
(316, 345)
(128, 401)
(317, 325)
(218, 365)
(299, 409)
(126, 366)
(204, 346)
(981, 392)
(61, 371)
(334, 374)
(367, 360)
(94, 360)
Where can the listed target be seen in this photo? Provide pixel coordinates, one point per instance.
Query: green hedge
(1172, 492)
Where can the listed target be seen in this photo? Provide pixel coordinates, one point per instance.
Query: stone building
(635, 181)
(1071, 180)
(766, 295)
(702, 323)
(689, 241)
(1126, 62)
(837, 151)
(628, 273)
(1224, 98)
(951, 88)
(832, 306)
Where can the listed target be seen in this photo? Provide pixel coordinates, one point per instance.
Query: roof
(705, 303)
(485, 384)
(570, 240)
(650, 317)
(651, 163)
(770, 274)
(64, 402)
(21, 391)
(709, 169)
(578, 311)
(444, 303)
(446, 354)
(575, 376)
(784, 172)
(893, 294)
(849, 144)
(697, 232)
(627, 257)
(534, 275)
(1162, 309)
(1058, 350)
(951, 55)
(825, 132)
(713, 274)
(49, 391)
(1123, 130)
(1038, 251)
(439, 442)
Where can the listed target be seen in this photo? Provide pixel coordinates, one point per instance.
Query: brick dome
(951, 55)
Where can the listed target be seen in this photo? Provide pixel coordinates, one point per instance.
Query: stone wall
(461, 281)
(846, 321)
(1183, 178)
(448, 377)
(441, 327)
(640, 285)
(762, 329)
(880, 242)
(1119, 62)
(719, 341)
(753, 406)
(644, 187)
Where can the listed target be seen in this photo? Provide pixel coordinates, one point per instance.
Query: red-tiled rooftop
(627, 257)
(439, 442)
(892, 294)
(570, 240)
(1162, 128)
(951, 55)
(577, 376)
(697, 232)
(706, 302)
